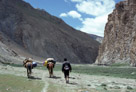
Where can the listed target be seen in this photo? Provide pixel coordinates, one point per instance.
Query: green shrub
(130, 88)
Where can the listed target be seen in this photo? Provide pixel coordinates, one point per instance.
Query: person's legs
(66, 74)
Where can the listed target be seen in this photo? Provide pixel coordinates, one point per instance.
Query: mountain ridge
(44, 35)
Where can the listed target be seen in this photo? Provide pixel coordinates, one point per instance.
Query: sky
(89, 16)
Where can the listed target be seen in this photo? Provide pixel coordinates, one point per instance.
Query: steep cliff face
(44, 35)
(119, 44)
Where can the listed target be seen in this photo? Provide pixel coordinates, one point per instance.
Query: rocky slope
(9, 56)
(119, 44)
(97, 38)
(44, 35)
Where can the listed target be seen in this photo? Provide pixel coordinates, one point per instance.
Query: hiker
(50, 63)
(66, 68)
(29, 65)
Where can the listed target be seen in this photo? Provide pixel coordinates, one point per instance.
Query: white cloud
(94, 25)
(63, 15)
(99, 9)
(95, 7)
(73, 14)
(77, 0)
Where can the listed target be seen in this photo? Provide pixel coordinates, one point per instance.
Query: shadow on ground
(73, 83)
(34, 78)
(72, 77)
(55, 77)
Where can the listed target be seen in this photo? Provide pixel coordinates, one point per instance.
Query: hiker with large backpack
(66, 68)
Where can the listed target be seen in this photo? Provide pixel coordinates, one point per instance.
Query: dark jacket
(66, 63)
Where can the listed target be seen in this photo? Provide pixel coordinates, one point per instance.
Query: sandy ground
(78, 82)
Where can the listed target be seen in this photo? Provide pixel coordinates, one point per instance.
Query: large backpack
(34, 64)
(66, 67)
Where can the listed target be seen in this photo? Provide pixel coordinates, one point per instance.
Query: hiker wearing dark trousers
(66, 68)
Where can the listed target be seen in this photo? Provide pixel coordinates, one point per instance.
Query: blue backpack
(34, 64)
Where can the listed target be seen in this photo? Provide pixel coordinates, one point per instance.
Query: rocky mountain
(97, 38)
(35, 31)
(8, 56)
(119, 44)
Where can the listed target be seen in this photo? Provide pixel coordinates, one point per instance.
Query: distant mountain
(97, 38)
(119, 44)
(42, 35)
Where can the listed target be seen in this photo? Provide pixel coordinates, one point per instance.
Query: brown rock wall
(119, 43)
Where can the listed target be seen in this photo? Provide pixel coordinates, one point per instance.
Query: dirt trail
(78, 82)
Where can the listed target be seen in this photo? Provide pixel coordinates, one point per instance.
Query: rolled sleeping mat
(53, 61)
(49, 59)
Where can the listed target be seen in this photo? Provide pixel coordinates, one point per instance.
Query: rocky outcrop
(44, 35)
(119, 44)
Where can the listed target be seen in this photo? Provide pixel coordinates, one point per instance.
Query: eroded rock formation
(119, 44)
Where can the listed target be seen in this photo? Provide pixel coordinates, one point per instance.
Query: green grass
(11, 83)
(57, 88)
(114, 70)
(106, 71)
(122, 72)
(120, 65)
(14, 65)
